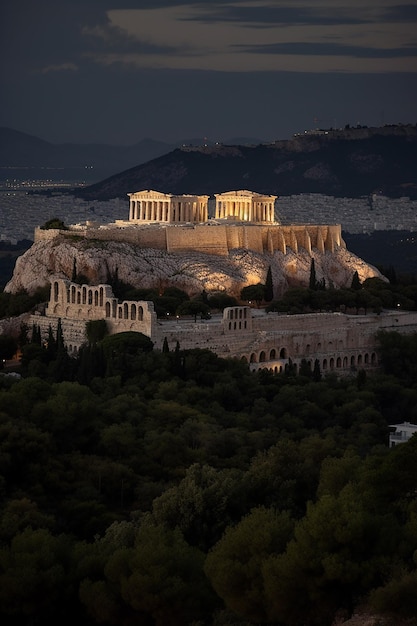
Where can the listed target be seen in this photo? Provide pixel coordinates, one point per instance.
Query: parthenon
(153, 206)
(150, 206)
(245, 206)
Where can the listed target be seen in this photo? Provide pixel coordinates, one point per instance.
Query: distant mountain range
(348, 162)
(352, 162)
(25, 156)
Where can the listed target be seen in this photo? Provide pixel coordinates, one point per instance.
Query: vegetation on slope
(178, 488)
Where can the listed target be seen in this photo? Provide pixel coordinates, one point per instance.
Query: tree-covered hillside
(177, 488)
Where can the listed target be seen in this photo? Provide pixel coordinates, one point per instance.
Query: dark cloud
(330, 49)
(400, 13)
(258, 16)
(66, 74)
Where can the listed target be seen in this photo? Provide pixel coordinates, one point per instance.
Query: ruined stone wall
(337, 341)
(81, 303)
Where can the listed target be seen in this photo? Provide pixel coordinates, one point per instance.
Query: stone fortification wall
(47, 235)
(217, 239)
(200, 238)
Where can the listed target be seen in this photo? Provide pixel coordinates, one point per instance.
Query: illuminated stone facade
(340, 343)
(245, 206)
(146, 207)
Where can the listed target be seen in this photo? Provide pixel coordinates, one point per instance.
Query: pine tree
(165, 347)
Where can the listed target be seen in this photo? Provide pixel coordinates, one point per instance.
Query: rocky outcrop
(192, 271)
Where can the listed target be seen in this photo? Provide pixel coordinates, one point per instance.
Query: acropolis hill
(170, 240)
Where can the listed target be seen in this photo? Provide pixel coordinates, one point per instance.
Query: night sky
(118, 71)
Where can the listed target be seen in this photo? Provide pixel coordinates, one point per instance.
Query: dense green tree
(340, 549)
(221, 301)
(160, 581)
(193, 307)
(235, 564)
(34, 577)
(8, 347)
(96, 330)
(202, 505)
(253, 293)
(54, 222)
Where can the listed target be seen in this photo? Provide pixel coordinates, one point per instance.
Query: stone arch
(90, 296)
(283, 353)
(352, 361)
(107, 309)
(359, 359)
(331, 363)
(56, 291)
(84, 295)
(101, 296)
(95, 297)
(366, 358)
(133, 312)
(72, 294)
(140, 314)
(345, 361)
(253, 358)
(78, 297)
(324, 367)
(262, 356)
(125, 311)
(373, 358)
(244, 359)
(339, 362)
(272, 354)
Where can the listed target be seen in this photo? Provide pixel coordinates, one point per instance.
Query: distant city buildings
(356, 215)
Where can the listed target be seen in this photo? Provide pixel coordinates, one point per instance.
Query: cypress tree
(74, 271)
(269, 286)
(316, 371)
(356, 283)
(313, 279)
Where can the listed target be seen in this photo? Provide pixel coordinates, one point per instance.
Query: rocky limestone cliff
(192, 272)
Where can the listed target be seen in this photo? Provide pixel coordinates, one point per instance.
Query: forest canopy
(175, 488)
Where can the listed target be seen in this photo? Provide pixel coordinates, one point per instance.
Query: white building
(401, 433)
